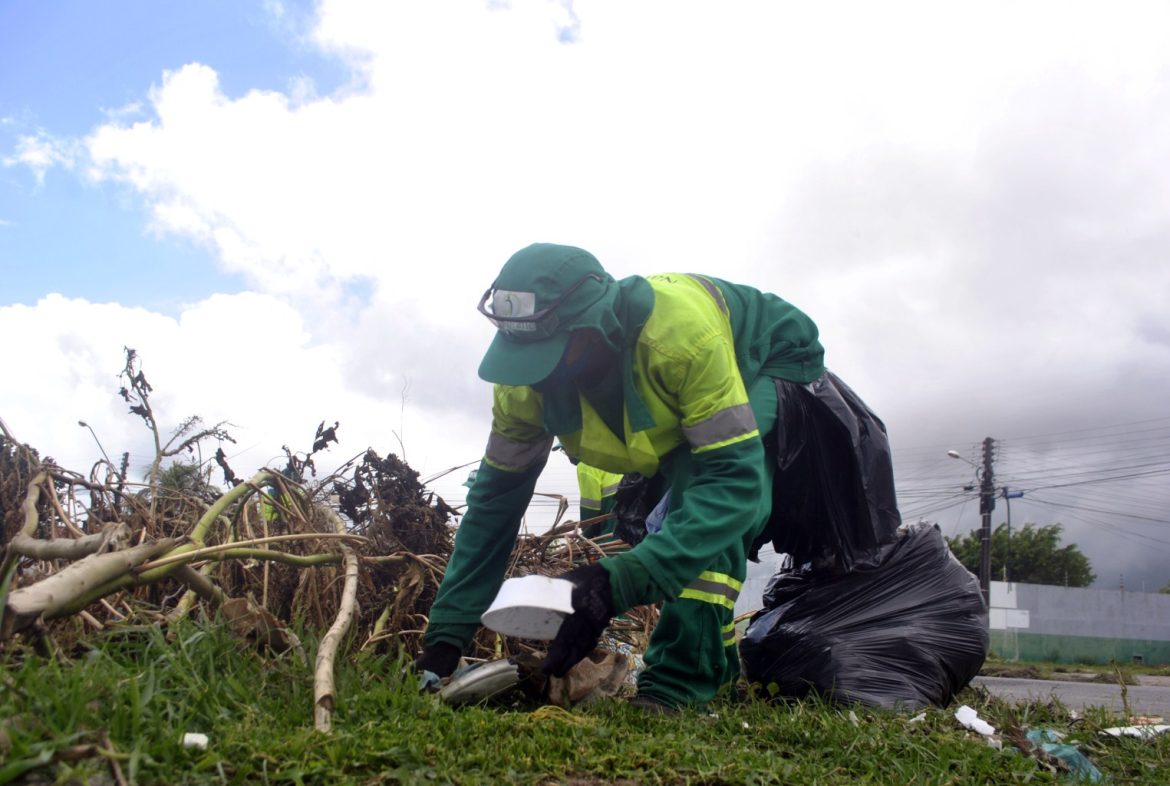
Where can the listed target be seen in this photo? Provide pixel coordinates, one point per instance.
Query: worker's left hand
(592, 608)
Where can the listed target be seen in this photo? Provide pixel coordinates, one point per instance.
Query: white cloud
(971, 202)
(40, 152)
(669, 134)
(246, 359)
(122, 114)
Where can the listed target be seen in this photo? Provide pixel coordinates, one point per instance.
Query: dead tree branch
(323, 692)
(114, 536)
(70, 589)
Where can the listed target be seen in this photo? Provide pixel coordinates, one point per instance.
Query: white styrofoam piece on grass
(195, 740)
(1144, 731)
(970, 718)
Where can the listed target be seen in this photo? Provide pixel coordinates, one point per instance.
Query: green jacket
(690, 348)
(597, 488)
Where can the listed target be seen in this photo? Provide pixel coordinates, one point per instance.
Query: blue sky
(290, 210)
(63, 67)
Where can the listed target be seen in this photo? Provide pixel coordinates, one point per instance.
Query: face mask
(566, 371)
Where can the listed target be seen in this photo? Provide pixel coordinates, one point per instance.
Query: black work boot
(652, 706)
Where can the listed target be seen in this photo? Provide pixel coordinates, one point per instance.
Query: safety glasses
(515, 312)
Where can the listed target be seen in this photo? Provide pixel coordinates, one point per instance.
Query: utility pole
(986, 505)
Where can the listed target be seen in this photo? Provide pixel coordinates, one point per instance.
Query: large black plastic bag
(833, 497)
(905, 628)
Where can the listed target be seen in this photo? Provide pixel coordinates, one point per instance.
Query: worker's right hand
(579, 633)
(439, 658)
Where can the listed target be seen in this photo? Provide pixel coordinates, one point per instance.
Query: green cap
(541, 295)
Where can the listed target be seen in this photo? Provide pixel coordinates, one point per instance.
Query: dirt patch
(1013, 671)
(1102, 677)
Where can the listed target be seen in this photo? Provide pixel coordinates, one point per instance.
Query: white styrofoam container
(530, 607)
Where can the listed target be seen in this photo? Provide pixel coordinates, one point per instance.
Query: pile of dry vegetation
(355, 556)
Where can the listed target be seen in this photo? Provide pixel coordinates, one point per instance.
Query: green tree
(181, 496)
(1165, 590)
(1033, 555)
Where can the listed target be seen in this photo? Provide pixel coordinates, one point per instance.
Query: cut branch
(323, 692)
(115, 535)
(62, 592)
(29, 506)
(240, 492)
(268, 555)
(241, 545)
(11, 558)
(69, 525)
(202, 586)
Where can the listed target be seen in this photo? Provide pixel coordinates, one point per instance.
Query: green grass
(131, 698)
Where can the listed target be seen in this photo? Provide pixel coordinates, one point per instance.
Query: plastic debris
(195, 740)
(1141, 732)
(429, 682)
(970, 719)
(636, 665)
(1052, 743)
(636, 498)
(530, 607)
(481, 681)
(600, 673)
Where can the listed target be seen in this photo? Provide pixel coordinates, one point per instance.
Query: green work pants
(692, 651)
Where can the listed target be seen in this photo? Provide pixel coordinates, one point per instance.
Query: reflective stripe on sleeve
(592, 504)
(717, 588)
(712, 290)
(512, 456)
(729, 634)
(724, 427)
(609, 490)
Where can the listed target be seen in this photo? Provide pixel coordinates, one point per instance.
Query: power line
(1165, 420)
(1089, 509)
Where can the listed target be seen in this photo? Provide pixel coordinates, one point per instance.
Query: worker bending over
(682, 377)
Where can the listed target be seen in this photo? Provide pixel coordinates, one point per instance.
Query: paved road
(1143, 699)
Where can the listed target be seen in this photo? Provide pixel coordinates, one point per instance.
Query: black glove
(592, 608)
(440, 659)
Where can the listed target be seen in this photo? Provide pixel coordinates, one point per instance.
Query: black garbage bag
(905, 628)
(833, 497)
(633, 501)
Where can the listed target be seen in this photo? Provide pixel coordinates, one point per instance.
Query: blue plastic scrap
(428, 682)
(1051, 742)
